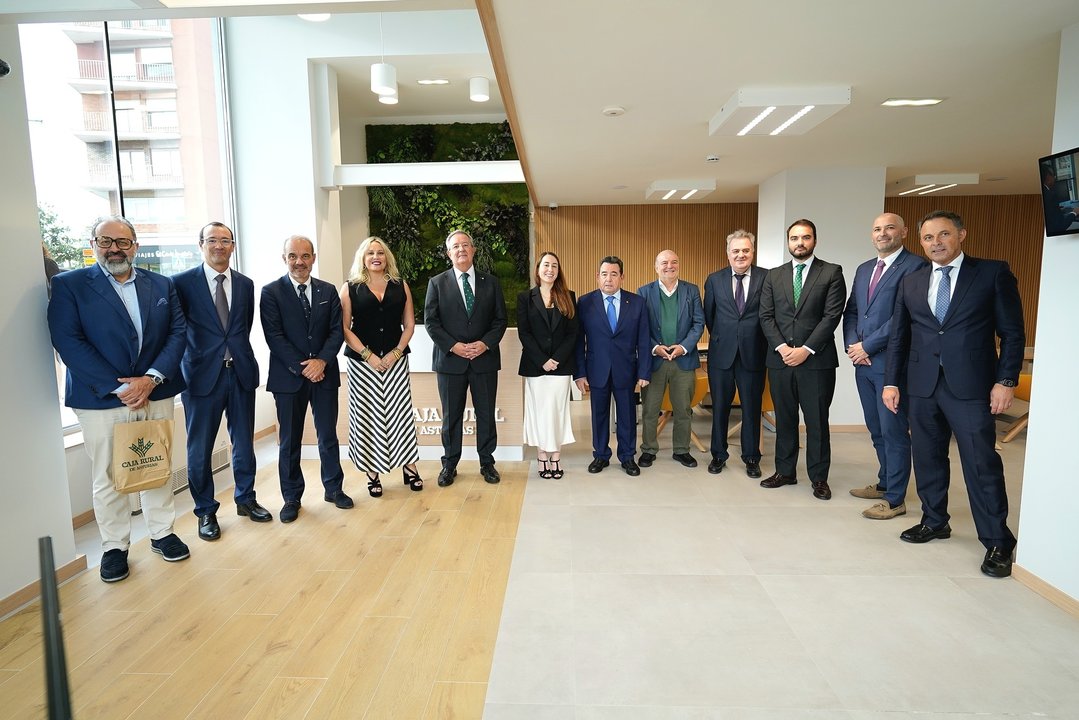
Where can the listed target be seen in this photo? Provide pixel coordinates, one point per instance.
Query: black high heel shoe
(556, 471)
(544, 472)
(374, 485)
(412, 479)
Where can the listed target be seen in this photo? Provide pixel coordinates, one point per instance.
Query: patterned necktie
(798, 282)
(944, 293)
(875, 279)
(305, 303)
(739, 293)
(470, 298)
(612, 316)
(222, 304)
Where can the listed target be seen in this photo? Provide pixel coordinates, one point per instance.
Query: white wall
(34, 480)
(1048, 531)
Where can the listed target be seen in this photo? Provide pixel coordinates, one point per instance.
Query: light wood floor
(389, 610)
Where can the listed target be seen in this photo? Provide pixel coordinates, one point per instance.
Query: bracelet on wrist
(365, 353)
(398, 353)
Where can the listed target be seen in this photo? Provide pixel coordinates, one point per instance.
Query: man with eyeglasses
(301, 317)
(121, 334)
(221, 373)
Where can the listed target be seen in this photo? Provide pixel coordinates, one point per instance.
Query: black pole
(58, 695)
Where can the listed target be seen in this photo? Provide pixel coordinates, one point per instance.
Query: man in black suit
(301, 317)
(736, 350)
(465, 315)
(947, 319)
(801, 306)
(221, 372)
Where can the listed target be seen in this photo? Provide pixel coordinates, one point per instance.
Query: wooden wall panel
(1005, 227)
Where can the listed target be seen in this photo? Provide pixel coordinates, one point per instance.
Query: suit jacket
(93, 333)
(620, 357)
(813, 322)
(292, 339)
(731, 334)
(869, 321)
(985, 305)
(543, 340)
(448, 322)
(690, 321)
(206, 339)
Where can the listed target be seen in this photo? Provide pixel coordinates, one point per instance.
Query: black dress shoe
(923, 533)
(208, 527)
(753, 469)
(446, 476)
(631, 468)
(597, 465)
(778, 480)
(290, 511)
(716, 466)
(821, 491)
(684, 458)
(254, 511)
(490, 474)
(339, 499)
(997, 563)
(647, 459)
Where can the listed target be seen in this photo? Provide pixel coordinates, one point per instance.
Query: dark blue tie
(944, 294)
(305, 302)
(612, 317)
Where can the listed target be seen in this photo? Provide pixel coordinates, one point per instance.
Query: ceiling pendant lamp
(383, 75)
(479, 89)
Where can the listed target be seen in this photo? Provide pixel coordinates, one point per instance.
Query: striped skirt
(381, 431)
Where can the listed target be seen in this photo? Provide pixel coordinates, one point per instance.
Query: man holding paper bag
(121, 334)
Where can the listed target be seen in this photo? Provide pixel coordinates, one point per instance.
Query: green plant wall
(414, 220)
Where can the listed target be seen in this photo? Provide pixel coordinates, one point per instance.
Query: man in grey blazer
(736, 350)
(675, 322)
(801, 306)
(465, 315)
(866, 324)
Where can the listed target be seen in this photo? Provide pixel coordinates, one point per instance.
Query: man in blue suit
(675, 324)
(613, 353)
(736, 350)
(120, 332)
(948, 317)
(867, 322)
(221, 373)
(301, 318)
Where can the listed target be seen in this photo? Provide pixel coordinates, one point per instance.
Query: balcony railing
(141, 176)
(140, 122)
(130, 24)
(144, 72)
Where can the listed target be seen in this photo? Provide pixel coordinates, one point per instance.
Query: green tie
(798, 282)
(470, 299)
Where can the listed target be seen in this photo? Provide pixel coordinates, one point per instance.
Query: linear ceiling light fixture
(314, 17)
(383, 75)
(771, 111)
(925, 184)
(685, 189)
(912, 102)
(479, 89)
(433, 81)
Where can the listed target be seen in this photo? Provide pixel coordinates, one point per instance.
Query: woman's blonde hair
(358, 272)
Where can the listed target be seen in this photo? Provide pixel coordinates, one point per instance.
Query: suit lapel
(807, 283)
(103, 287)
(967, 275)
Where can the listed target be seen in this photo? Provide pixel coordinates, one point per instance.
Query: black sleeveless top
(377, 324)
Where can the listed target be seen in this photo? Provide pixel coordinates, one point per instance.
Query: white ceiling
(672, 65)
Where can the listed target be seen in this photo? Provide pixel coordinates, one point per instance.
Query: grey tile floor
(683, 595)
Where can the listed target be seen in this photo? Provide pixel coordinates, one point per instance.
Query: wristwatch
(1006, 382)
(157, 380)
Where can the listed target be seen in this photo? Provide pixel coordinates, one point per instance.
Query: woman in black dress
(376, 305)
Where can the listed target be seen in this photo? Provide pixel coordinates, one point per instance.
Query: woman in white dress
(547, 327)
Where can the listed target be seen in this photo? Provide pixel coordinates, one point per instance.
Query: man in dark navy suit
(465, 315)
(221, 373)
(613, 355)
(866, 324)
(301, 317)
(948, 317)
(120, 332)
(736, 350)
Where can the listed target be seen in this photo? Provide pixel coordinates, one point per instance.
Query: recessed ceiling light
(669, 194)
(314, 17)
(995, 178)
(793, 119)
(711, 158)
(937, 189)
(434, 81)
(388, 99)
(756, 121)
(619, 187)
(614, 111)
(690, 194)
(911, 102)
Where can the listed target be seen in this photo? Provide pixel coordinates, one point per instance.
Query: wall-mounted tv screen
(1060, 195)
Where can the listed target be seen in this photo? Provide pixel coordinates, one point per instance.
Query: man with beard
(120, 332)
(801, 306)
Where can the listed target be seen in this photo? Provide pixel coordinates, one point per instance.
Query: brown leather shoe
(778, 480)
(869, 492)
(821, 491)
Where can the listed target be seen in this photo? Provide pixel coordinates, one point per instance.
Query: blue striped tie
(612, 317)
(944, 294)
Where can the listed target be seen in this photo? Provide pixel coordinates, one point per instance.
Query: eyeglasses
(105, 242)
(218, 241)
